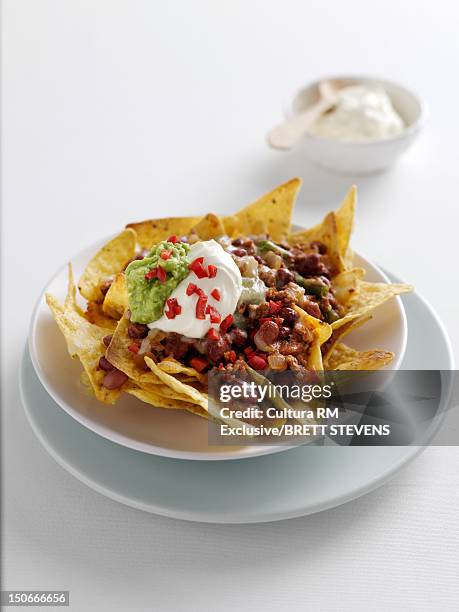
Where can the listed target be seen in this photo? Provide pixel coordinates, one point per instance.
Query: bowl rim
(408, 131)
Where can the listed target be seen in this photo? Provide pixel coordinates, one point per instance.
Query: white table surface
(116, 111)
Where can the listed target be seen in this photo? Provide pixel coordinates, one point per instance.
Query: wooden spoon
(291, 131)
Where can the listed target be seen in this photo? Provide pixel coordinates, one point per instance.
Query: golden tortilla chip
(339, 334)
(195, 396)
(149, 396)
(271, 213)
(116, 299)
(327, 233)
(345, 224)
(346, 284)
(70, 299)
(368, 297)
(172, 366)
(346, 358)
(210, 226)
(120, 356)
(322, 332)
(111, 259)
(84, 341)
(152, 231)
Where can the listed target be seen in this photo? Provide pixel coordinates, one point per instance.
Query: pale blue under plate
(292, 483)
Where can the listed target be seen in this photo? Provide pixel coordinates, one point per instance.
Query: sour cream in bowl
(371, 125)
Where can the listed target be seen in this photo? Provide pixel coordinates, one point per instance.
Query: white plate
(301, 481)
(169, 433)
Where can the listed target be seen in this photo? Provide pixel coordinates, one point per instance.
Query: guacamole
(147, 296)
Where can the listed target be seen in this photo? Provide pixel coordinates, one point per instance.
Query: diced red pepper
(173, 239)
(215, 316)
(201, 307)
(273, 307)
(199, 363)
(174, 308)
(215, 293)
(212, 270)
(161, 274)
(200, 292)
(197, 267)
(191, 289)
(257, 362)
(231, 356)
(213, 334)
(134, 347)
(151, 274)
(249, 350)
(227, 322)
(165, 254)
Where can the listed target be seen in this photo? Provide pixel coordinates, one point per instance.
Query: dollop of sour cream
(361, 113)
(228, 281)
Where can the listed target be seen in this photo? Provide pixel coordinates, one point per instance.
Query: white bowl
(169, 433)
(361, 157)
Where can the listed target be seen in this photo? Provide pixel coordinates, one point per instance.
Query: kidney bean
(269, 330)
(114, 379)
(266, 335)
(237, 242)
(288, 314)
(240, 252)
(137, 331)
(107, 340)
(284, 332)
(104, 364)
(283, 277)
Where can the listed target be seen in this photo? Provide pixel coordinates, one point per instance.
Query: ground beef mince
(311, 265)
(175, 346)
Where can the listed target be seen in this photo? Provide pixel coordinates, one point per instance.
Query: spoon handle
(291, 131)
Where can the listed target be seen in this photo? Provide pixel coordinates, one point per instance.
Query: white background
(116, 111)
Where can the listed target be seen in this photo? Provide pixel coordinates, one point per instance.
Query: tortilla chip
(345, 224)
(272, 213)
(109, 260)
(346, 284)
(346, 358)
(95, 315)
(322, 332)
(116, 299)
(368, 297)
(84, 341)
(210, 226)
(327, 233)
(120, 356)
(195, 396)
(152, 231)
(149, 396)
(172, 366)
(339, 334)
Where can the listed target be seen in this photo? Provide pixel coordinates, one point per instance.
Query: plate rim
(225, 518)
